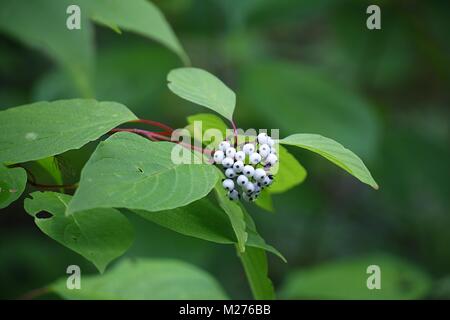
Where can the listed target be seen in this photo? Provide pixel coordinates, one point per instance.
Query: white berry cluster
(247, 170)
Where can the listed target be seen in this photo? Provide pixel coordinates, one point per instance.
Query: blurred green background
(296, 65)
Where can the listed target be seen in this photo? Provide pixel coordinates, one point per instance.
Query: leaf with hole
(99, 235)
(203, 88)
(43, 129)
(129, 171)
(334, 152)
(146, 279)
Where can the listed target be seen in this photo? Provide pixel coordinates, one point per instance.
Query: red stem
(154, 123)
(234, 131)
(158, 136)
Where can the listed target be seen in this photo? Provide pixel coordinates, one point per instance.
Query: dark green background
(300, 66)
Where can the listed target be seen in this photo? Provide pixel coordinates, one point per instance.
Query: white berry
(230, 173)
(224, 145)
(230, 152)
(233, 195)
(249, 171)
(238, 166)
(259, 174)
(270, 141)
(249, 187)
(218, 156)
(271, 159)
(227, 162)
(242, 180)
(262, 138)
(255, 158)
(264, 150)
(228, 184)
(273, 150)
(257, 189)
(266, 181)
(240, 156)
(248, 148)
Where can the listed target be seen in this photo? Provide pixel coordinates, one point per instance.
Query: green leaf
(12, 184)
(139, 16)
(334, 152)
(264, 201)
(203, 219)
(43, 129)
(254, 261)
(203, 88)
(99, 235)
(41, 24)
(255, 240)
(347, 279)
(292, 96)
(289, 172)
(208, 121)
(146, 279)
(50, 165)
(129, 171)
(235, 214)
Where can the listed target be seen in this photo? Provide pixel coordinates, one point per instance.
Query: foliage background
(301, 66)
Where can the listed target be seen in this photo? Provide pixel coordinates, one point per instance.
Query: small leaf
(289, 172)
(44, 129)
(50, 165)
(139, 16)
(12, 184)
(129, 171)
(146, 279)
(334, 152)
(254, 261)
(99, 235)
(347, 279)
(235, 214)
(203, 88)
(199, 123)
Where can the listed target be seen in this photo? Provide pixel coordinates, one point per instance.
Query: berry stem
(234, 132)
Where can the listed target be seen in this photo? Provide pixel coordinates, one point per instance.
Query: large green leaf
(12, 184)
(334, 152)
(203, 219)
(203, 88)
(294, 97)
(129, 171)
(43, 129)
(99, 235)
(139, 16)
(347, 279)
(146, 279)
(289, 172)
(41, 24)
(254, 261)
